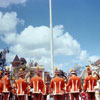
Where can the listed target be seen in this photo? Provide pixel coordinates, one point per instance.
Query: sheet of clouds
(6, 3)
(34, 42)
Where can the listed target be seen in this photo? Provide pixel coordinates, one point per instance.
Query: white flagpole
(51, 32)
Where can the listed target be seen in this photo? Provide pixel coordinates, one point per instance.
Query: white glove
(48, 97)
(31, 90)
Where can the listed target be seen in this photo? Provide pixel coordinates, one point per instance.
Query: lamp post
(51, 40)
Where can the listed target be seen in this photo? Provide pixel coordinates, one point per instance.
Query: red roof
(16, 59)
(97, 62)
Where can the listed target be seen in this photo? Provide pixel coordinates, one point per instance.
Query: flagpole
(51, 42)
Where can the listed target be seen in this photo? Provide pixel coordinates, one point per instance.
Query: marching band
(35, 89)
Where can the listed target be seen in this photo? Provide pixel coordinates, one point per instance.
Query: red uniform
(28, 92)
(44, 92)
(37, 85)
(21, 87)
(89, 84)
(75, 87)
(14, 90)
(1, 89)
(66, 91)
(57, 84)
(6, 87)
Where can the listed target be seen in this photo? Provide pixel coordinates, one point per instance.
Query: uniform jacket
(28, 89)
(1, 86)
(6, 84)
(21, 86)
(89, 83)
(37, 84)
(57, 84)
(66, 88)
(14, 87)
(45, 90)
(74, 83)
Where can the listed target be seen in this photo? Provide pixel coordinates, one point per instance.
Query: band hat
(37, 70)
(7, 71)
(73, 71)
(7, 68)
(88, 67)
(56, 71)
(21, 72)
(13, 78)
(0, 73)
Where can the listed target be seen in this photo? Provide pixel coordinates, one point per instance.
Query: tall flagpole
(51, 42)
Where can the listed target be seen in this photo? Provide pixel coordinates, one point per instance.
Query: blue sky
(78, 20)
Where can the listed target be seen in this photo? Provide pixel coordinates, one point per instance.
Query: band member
(1, 86)
(66, 90)
(28, 93)
(97, 87)
(14, 88)
(6, 85)
(45, 92)
(74, 83)
(21, 86)
(28, 80)
(89, 84)
(83, 95)
(57, 84)
(37, 85)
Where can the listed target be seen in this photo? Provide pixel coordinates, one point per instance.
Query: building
(18, 63)
(43, 74)
(95, 68)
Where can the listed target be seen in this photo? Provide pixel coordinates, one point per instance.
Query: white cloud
(8, 22)
(9, 57)
(6, 3)
(45, 61)
(83, 55)
(93, 58)
(66, 45)
(34, 42)
(35, 37)
(9, 38)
